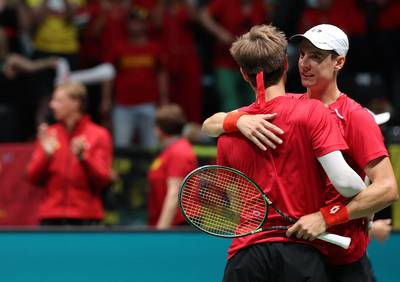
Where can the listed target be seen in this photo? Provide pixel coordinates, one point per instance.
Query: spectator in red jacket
(72, 160)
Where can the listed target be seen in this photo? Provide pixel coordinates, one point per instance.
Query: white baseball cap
(326, 37)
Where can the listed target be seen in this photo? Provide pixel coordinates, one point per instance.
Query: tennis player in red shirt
(322, 54)
(168, 170)
(295, 184)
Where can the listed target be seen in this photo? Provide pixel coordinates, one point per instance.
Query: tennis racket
(224, 202)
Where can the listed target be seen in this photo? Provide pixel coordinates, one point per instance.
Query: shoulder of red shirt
(346, 107)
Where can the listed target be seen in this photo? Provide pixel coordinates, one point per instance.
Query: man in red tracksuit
(72, 160)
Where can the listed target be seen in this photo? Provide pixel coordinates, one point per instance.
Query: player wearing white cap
(326, 37)
(323, 51)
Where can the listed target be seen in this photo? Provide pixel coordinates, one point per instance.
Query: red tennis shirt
(290, 175)
(365, 141)
(177, 160)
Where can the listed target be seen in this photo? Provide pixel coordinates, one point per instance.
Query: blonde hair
(76, 91)
(263, 48)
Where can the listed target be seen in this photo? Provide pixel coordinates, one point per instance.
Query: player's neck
(327, 94)
(166, 139)
(275, 91)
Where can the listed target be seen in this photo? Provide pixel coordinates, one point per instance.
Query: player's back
(290, 175)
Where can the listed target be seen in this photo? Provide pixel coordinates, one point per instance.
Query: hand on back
(260, 130)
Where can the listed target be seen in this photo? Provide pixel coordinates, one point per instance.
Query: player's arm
(345, 180)
(365, 141)
(256, 128)
(380, 194)
(368, 150)
(327, 140)
(213, 126)
(170, 204)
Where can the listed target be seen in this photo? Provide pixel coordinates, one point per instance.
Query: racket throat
(256, 230)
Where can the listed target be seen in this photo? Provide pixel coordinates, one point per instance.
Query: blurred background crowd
(174, 51)
(137, 55)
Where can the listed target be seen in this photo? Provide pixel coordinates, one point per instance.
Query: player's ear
(245, 76)
(286, 63)
(340, 60)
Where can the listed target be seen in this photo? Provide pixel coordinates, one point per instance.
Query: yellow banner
(394, 150)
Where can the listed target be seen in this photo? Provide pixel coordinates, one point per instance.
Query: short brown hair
(171, 119)
(263, 48)
(76, 91)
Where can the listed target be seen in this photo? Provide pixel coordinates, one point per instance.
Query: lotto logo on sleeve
(335, 214)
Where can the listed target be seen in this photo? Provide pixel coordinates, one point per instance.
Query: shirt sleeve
(221, 159)
(324, 130)
(251, 109)
(364, 138)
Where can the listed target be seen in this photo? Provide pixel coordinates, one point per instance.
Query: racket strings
(222, 202)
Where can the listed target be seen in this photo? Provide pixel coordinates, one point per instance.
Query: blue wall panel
(137, 256)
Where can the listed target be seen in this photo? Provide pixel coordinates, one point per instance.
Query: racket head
(222, 201)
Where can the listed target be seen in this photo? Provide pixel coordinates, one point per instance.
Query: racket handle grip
(338, 240)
